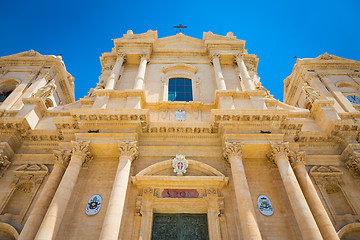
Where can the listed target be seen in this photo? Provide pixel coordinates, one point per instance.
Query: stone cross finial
(129, 149)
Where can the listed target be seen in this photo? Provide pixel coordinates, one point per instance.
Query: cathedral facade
(179, 140)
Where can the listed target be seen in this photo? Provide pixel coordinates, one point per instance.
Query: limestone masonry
(179, 140)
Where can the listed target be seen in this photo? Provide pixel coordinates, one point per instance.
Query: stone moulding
(180, 67)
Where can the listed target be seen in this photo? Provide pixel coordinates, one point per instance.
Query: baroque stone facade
(179, 130)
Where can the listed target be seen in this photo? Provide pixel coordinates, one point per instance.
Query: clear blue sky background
(275, 31)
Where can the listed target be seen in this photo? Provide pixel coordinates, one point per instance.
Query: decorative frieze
(129, 149)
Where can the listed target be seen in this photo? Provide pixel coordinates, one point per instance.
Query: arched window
(180, 89)
(6, 89)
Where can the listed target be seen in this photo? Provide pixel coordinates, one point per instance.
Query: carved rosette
(232, 150)
(4, 163)
(129, 149)
(62, 157)
(278, 150)
(353, 164)
(82, 149)
(296, 159)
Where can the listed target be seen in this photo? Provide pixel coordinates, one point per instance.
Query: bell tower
(326, 77)
(31, 74)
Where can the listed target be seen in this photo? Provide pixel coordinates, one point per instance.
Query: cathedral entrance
(179, 226)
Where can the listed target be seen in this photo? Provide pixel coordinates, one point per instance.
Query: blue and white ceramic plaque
(265, 206)
(93, 205)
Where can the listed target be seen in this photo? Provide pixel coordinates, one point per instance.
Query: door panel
(179, 226)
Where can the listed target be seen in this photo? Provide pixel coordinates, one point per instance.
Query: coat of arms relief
(180, 164)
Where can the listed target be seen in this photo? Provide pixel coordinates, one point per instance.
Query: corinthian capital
(278, 150)
(232, 149)
(128, 149)
(145, 55)
(353, 164)
(237, 56)
(4, 163)
(82, 149)
(213, 56)
(297, 159)
(121, 55)
(62, 157)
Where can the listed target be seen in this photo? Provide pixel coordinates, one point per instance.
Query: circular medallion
(265, 206)
(93, 205)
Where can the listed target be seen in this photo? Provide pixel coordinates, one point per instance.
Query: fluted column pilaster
(111, 225)
(244, 74)
(220, 81)
(115, 72)
(322, 219)
(55, 213)
(249, 226)
(140, 77)
(306, 222)
(62, 158)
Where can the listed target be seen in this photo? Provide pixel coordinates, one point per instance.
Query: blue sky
(275, 31)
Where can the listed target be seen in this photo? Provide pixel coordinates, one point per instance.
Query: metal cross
(180, 27)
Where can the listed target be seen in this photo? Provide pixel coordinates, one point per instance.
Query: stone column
(249, 226)
(147, 214)
(140, 77)
(304, 218)
(322, 219)
(213, 214)
(244, 74)
(115, 72)
(220, 81)
(37, 214)
(55, 213)
(111, 226)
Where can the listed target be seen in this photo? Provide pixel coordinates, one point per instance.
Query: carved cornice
(297, 159)
(82, 149)
(232, 149)
(278, 150)
(128, 149)
(62, 157)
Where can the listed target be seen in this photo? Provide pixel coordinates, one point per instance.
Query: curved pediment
(197, 174)
(165, 168)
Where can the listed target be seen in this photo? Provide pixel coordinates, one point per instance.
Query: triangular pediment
(31, 169)
(30, 53)
(178, 42)
(327, 56)
(318, 171)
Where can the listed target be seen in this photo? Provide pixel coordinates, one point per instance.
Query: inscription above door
(180, 193)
